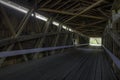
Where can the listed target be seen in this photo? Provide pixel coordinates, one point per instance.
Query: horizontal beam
(8, 41)
(97, 22)
(91, 31)
(113, 57)
(35, 50)
(69, 13)
(96, 27)
(76, 24)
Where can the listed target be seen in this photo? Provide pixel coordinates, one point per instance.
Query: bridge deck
(74, 64)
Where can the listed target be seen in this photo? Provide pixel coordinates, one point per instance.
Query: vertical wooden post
(57, 37)
(40, 43)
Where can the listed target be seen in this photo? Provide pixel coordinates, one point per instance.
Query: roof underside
(87, 16)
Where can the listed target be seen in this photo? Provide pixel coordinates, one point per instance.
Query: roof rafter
(69, 13)
(94, 23)
(88, 8)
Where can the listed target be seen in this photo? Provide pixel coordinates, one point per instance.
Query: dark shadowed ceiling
(87, 16)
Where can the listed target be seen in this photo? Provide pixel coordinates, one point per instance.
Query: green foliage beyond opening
(93, 41)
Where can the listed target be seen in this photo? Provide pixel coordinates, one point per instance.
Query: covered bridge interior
(50, 39)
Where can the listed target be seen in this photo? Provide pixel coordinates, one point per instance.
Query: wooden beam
(68, 13)
(46, 3)
(53, 5)
(84, 1)
(94, 23)
(116, 5)
(103, 13)
(82, 26)
(15, 35)
(66, 2)
(91, 30)
(85, 10)
(8, 41)
(77, 5)
(95, 29)
(70, 5)
(76, 24)
(98, 27)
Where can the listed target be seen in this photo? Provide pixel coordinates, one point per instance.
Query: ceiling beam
(84, 1)
(45, 3)
(90, 30)
(101, 11)
(68, 13)
(65, 3)
(53, 5)
(94, 23)
(85, 10)
(95, 27)
(76, 24)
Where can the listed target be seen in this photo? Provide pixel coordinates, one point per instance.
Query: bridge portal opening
(95, 41)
